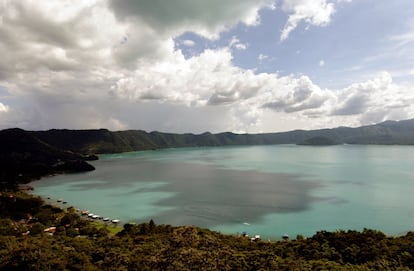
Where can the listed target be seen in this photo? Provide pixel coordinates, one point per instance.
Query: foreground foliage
(78, 244)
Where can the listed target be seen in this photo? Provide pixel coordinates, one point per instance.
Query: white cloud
(262, 57)
(3, 108)
(246, 117)
(209, 78)
(312, 12)
(241, 46)
(321, 63)
(374, 100)
(188, 43)
(79, 65)
(235, 43)
(59, 58)
(296, 95)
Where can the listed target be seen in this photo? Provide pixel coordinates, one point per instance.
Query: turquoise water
(266, 190)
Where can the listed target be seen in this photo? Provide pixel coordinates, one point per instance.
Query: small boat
(105, 219)
(115, 221)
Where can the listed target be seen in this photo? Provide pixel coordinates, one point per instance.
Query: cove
(266, 190)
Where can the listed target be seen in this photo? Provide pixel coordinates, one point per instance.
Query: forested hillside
(24, 157)
(104, 141)
(27, 155)
(37, 236)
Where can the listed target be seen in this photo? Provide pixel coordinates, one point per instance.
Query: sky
(245, 66)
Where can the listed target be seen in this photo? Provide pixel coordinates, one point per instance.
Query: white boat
(115, 221)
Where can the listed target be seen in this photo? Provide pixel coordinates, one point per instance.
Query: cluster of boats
(98, 217)
(91, 215)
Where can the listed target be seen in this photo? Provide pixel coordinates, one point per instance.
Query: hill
(38, 236)
(318, 141)
(26, 155)
(104, 141)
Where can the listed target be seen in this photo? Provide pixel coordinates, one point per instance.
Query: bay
(266, 190)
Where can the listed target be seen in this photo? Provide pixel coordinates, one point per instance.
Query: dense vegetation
(78, 244)
(104, 141)
(24, 157)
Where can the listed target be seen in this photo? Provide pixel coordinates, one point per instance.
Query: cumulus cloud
(374, 100)
(312, 12)
(209, 78)
(113, 64)
(162, 21)
(60, 58)
(297, 95)
(207, 18)
(246, 117)
(56, 36)
(63, 36)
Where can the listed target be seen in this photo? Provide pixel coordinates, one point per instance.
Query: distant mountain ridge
(104, 141)
(27, 155)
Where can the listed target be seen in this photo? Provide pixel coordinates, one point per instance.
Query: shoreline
(159, 247)
(54, 202)
(66, 206)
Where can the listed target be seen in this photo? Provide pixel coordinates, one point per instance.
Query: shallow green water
(266, 190)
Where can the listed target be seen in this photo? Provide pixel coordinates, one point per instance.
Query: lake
(266, 190)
